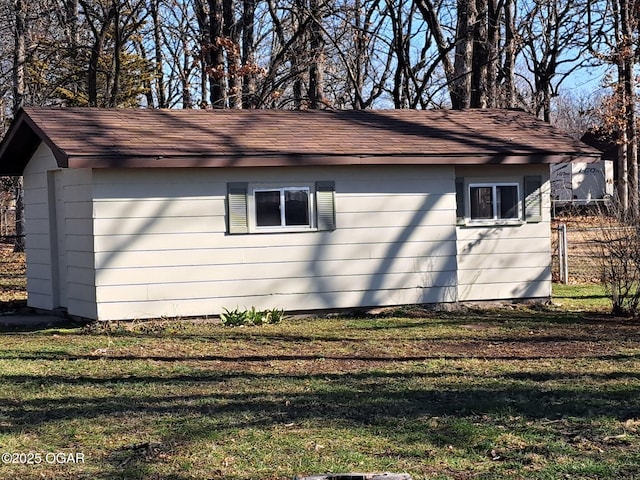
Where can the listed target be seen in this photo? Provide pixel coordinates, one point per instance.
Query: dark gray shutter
(460, 199)
(325, 205)
(237, 207)
(533, 198)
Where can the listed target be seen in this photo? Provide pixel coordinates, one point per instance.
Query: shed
(145, 213)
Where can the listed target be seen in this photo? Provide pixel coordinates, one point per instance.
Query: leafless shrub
(617, 248)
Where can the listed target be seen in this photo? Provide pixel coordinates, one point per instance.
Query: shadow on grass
(465, 354)
(384, 394)
(360, 399)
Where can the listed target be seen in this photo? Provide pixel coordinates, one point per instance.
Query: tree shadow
(355, 400)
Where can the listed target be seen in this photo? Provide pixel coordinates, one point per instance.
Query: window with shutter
(325, 205)
(237, 208)
(509, 201)
(264, 208)
(533, 198)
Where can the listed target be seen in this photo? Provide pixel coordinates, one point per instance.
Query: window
(264, 208)
(494, 201)
(283, 207)
(510, 201)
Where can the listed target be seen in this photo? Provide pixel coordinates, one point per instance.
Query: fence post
(563, 256)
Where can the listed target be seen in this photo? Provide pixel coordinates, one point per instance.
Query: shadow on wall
(423, 281)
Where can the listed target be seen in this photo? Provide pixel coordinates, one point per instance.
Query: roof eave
(292, 160)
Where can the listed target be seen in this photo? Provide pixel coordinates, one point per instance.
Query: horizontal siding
(503, 275)
(39, 271)
(501, 291)
(158, 225)
(36, 225)
(81, 274)
(157, 255)
(35, 187)
(167, 208)
(273, 286)
(501, 260)
(309, 301)
(505, 262)
(37, 228)
(379, 251)
(430, 236)
(286, 269)
(78, 243)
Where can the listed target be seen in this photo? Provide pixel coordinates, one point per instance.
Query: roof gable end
(20, 143)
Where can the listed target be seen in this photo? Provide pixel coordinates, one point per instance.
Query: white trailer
(582, 183)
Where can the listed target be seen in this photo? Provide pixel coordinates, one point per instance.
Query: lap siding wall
(505, 262)
(162, 247)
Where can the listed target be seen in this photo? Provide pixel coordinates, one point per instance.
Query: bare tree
(19, 84)
(553, 36)
(19, 55)
(613, 39)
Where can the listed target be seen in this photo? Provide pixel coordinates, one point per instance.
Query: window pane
(481, 202)
(296, 210)
(507, 201)
(267, 208)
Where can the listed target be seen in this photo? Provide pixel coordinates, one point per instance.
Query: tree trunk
(99, 36)
(623, 172)
(316, 47)
(117, 63)
(509, 55)
(480, 57)
(428, 11)
(215, 67)
(19, 55)
(463, 65)
(18, 245)
(71, 20)
(627, 62)
(158, 67)
(493, 45)
(399, 41)
(19, 60)
(231, 38)
(249, 99)
(299, 55)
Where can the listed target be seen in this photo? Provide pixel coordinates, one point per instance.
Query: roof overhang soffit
(21, 142)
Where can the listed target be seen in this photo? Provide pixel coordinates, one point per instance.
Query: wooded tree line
(309, 54)
(304, 53)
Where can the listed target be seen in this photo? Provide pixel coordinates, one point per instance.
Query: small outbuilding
(148, 213)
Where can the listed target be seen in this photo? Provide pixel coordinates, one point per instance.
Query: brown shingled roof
(87, 137)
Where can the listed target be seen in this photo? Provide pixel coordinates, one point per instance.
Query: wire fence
(573, 254)
(576, 248)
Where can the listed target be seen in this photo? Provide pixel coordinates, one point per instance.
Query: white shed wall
(59, 242)
(162, 248)
(146, 243)
(505, 262)
(78, 207)
(37, 228)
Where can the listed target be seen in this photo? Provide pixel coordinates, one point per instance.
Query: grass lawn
(510, 393)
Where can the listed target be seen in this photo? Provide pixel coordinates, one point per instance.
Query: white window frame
(494, 204)
(253, 218)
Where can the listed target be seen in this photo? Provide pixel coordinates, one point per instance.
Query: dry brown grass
(13, 284)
